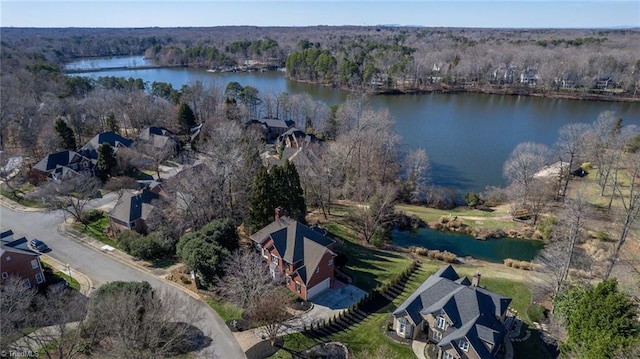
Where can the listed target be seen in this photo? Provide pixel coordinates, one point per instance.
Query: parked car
(39, 245)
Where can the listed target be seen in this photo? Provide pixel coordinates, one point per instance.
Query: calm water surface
(492, 250)
(467, 136)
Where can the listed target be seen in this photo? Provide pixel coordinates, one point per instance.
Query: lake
(467, 136)
(463, 245)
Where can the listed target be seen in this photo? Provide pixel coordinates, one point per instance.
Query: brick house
(298, 256)
(18, 260)
(461, 318)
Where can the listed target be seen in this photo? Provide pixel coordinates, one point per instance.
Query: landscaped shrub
(536, 312)
(510, 262)
(449, 257)
(546, 226)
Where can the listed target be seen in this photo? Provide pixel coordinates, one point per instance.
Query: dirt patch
(178, 275)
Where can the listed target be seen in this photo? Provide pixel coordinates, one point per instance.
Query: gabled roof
(59, 159)
(113, 139)
(159, 137)
(473, 311)
(296, 243)
(133, 205)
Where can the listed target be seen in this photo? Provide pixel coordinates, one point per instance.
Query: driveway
(102, 268)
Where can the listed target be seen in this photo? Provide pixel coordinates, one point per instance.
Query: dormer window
(463, 344)
(441, 322)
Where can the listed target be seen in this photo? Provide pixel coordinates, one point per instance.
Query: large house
(297, 255)
(113, 139)
(160, 138)
(18, 260)
(65, 164)
(461, 318)
(131, 211)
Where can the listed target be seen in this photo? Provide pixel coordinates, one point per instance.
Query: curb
(83, 279)
(15, 206)
(86, 241)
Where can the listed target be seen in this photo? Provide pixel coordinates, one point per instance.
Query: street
(102, 269)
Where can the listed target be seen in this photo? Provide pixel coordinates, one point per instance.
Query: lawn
(489, 220)
(21, 200)
(369, 267)
(96, 229)
(226, 310)
(368, 334)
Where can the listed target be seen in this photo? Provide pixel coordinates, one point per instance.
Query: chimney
(475, 282)
(279, 213)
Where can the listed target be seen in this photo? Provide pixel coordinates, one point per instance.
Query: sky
(432, 13)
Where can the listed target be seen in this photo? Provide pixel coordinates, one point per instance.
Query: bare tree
(521, 166)
(374, 213)
(246, 278)
(541, 193)
(557, 257)
(603, 148)
(70, 195)
(629, 195)
(132, 320)
(269, 312)
(570, 144)
(417, 170)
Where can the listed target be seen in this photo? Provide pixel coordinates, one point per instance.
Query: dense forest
(596, 63)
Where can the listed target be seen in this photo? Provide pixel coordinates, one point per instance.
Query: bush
(536, 312)
(125, 239)
(448, 257)
(514, 263)
(546, 226)
(508, 262)
(602, 235)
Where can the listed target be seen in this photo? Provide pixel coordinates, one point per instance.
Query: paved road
(102, 268)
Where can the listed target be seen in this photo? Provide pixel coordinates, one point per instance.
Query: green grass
(369, 267)
(489, 219)
(368, 335)
(72, 282)
(21, 200)
(226, 310)
(96, 229)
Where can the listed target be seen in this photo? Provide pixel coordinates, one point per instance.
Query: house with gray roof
(131, 211)
(160, 138)
(113, 139)
(297, 255)
(463, 319)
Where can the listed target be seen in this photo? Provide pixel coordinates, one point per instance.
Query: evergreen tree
(261, 208)
(186, 118)
(278, 188)
(107, 161)
(111, 124)
(66, 134)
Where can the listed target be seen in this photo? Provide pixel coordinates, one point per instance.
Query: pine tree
(66, 134)
(297, 208)
(186, 118)
(260, 213)
(107, 161)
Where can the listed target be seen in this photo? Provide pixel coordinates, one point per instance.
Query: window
(39, 278)
(274, 259)
(463, 344)
(5, 275)
(288, 280)
(402, 327)
(448, 355)
(26, 283)
(298, 287)
(8, 258)
(317, 269)
(34, 264)
(264, 252)
(441, 322)
(330, 262)
(437, 336)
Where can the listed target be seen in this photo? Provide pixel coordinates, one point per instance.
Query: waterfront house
(461, 318)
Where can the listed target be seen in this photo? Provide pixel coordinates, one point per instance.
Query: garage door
(318, 288)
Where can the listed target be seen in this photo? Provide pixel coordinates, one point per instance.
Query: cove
(492, 250)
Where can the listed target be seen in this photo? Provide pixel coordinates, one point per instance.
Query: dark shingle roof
(474, 311)
(54, 160)
(113, 139)
(295, 243)
(133, 205)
